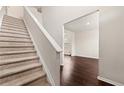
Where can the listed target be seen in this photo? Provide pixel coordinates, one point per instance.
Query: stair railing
(47, 48)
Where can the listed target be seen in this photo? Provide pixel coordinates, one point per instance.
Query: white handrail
(51, 40)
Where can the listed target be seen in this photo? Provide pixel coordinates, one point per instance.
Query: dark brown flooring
(80, 71)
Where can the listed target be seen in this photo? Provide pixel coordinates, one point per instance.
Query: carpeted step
(14, 32)
(25, 79)
(6, 49)
(14, 29)
(17, 69)
(17, 55)
(12, 39)
(18, 75)
(13, 35)
(10, 61)
(12, 26)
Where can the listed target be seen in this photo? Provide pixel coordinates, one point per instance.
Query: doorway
(81, 51)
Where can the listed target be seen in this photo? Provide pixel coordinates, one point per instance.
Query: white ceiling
(86, 23)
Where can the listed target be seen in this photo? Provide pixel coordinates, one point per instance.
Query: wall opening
(81, 49)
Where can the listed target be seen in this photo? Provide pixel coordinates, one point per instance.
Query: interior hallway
(79, 71)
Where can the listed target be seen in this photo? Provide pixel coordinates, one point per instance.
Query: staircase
(19, 63)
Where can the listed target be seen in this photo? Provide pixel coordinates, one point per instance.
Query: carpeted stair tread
(14, 60)
(25, 79)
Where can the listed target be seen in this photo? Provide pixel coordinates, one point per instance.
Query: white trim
(51, 40)
(50, 78)
(86, 56)
(62, 61)
(110, 81)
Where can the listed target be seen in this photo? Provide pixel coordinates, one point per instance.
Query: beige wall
(111, 65)
(15, 11)
(87, 43)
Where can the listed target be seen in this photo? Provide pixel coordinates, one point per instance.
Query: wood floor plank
(80, 71)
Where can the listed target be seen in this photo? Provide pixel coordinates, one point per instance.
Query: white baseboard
(45, 68)
(109, 81)
(86, 56)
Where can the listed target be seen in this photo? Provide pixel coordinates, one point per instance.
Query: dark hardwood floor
(80, 71)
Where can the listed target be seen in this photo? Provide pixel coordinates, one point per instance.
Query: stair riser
(16, 70)
(43, 82)
(16, 46)
(21, 23)
(15, 49)
(13, 36)
(14, 29)
(8, 17)
(7, 66)
(17, 56)
(13, 77)
(12, 18)
(14, 43)
(12, 26)
(13, 21)
(9, 39)
(14, 32)
(25, 80)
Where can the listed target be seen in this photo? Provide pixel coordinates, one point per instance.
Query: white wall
(111, 65)
(2, 13)
(37, 14)
(82, 43)
(54, 18)
(15, 11)
(87, 43)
